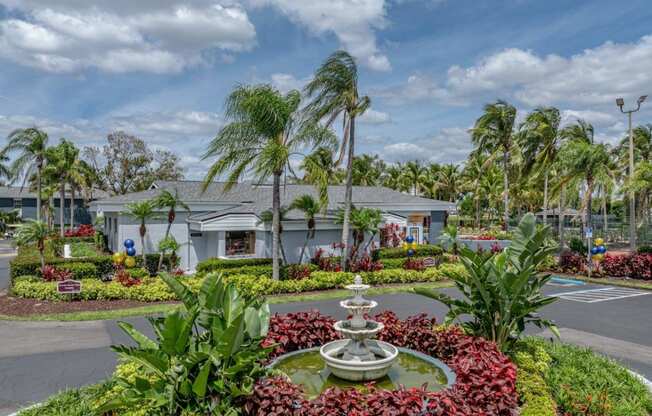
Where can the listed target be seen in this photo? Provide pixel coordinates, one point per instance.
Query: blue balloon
(594, 250)
(409, 239)
(602, 249)
(131, 252)
(410, 253)
(129, 243)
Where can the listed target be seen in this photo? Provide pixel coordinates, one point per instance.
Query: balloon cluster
(410, 245)
(598, 250)
(126, 257)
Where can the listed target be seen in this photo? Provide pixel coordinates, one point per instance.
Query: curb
(642, 379)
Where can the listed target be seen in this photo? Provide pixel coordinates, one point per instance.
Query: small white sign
(588, 233)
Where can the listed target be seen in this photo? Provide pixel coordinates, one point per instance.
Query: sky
(161, 69)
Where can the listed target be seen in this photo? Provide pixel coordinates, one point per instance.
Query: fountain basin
(338, 359)
(410, 369)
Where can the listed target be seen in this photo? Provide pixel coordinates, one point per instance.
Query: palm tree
(334, 89)
(171, 201)
(321, 171)
(310, 208)
(394, 179)
(267, 217)
(448, 182)
(31, 144)
(5, 171)
(142, 211)
(416, 175)
(367, 170)
(60, 165)
(472, 177)
(583, 159)
(262, 133)
(33, 232)
(493, 134)
(540, 143)
(363, 221)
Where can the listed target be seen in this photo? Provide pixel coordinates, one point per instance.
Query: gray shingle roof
(15, 192)
(253, 198)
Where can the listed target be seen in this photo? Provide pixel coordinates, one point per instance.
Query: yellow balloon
(405, 245)
(118, 258)
(599, 241)
(414, 245)
(130, 262)
(598, 257)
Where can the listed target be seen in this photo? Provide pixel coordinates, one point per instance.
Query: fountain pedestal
(359, 357)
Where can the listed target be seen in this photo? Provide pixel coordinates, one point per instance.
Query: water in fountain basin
(410, 370)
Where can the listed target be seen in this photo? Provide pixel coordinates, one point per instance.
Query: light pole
(632, 199)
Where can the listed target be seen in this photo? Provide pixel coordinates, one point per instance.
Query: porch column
(437, 219)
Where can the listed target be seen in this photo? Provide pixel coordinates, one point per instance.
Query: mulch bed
(25, 307)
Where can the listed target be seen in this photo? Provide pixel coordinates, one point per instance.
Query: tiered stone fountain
(359, 358)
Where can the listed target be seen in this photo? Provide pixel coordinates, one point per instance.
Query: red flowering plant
(326, 263)
(616, 265)
(414, 264)
(84, 230)
(123, 277)
(572, 262)
(485, 378)
(53, 274)
(390, 235)
(641, 265)
(364, 264)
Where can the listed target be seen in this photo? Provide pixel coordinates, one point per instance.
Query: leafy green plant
(578, 246)
(33, 233)
(448, 238)
(502, 292)
(533, 364)
(205, 358)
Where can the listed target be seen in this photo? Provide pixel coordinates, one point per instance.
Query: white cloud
(286, 82)
(352, 22)
(372, 116)
(593, 77)
(164, 38)
(186, 133)
(450, 145)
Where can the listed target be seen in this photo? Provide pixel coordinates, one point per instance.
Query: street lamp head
(641, 99)
(620, 102)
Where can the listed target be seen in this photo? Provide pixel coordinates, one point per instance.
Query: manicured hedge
(31, 265)
(81, 270)
(152, 262)
(533, 364)
(399, 262)
(154, 289)
(215, 264)
(422, 250)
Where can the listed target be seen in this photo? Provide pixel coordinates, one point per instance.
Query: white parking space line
(600, 295)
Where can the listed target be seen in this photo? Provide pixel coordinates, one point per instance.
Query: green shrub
(398, 263)
(81, 270)
(78, 402)
(533, 364)
(578, 245)
(645, 250)
(584, 383)
(422, 250)
(215, 264)
(30, 265)
(82, 249)
(153, 289)
(138, 273)
(152, 262)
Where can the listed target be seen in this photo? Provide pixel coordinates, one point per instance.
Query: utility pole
(632, 197)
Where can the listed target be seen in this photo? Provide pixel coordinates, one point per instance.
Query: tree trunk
(605, 221)
(562, 218)
(142, 233)
(348, 196)
(276, 222)
(506, 190)
(72, 207)
(62, 209)
(39, 168)
(42, 256)
(589, 202)
(477, 214)
(305, 245)
(167, 233)
(545, 198)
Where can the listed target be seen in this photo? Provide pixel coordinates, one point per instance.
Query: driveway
(38, 359)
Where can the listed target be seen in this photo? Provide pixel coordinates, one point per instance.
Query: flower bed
(636, 266)
(485, 384)
(153, 289)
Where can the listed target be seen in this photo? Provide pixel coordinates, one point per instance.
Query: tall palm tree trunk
(605, 221)
(276, 220)
(62, 208)
(305, 245)
(72, 207)
(348, 196)
(39, 168)
(142, 232)
(561, 218)
(505, 190)
(477, 213)
(545, 198)
(167, 233)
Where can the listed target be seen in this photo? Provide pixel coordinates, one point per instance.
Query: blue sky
(160, 69)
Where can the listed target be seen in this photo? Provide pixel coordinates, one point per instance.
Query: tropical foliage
(502, 293)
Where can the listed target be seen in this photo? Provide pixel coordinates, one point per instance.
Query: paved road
(41, 358)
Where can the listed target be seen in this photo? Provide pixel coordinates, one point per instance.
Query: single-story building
(23, 201)
(228, 224)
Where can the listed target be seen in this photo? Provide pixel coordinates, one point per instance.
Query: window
(239, 243)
